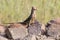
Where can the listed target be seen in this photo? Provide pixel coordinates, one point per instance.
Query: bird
(34, 27)
(25, 22)
(31, 18)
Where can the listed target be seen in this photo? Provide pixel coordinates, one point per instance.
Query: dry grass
(19, 10)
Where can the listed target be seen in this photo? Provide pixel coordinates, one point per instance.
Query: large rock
(17, 33)
(53, 28)
(3, 38)
(34, 28)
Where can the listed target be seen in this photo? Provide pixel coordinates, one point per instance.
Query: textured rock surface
(35, 31)
(43, 37)
(17, 33)
(3, 38)
(30, 37)
(2, 30)
(53, 29)
(38, 37)
(35, 28)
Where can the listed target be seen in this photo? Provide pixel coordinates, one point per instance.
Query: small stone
(30, 37)
(41, 37)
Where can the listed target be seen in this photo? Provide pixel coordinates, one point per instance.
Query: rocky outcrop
(53, 28)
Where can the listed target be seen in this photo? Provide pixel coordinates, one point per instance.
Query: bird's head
(34, 8)
(34, 14)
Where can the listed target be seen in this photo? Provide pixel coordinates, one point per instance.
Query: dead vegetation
(31, 29)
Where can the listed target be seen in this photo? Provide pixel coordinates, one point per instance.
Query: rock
(43, 29)
(13, 25)
(49, 39)
(57, 20)
(17, 33)
(43, 37)
(33, 37)
(30, 37)
(38, 37)
(34, 28)
(3, 38)
(2, 30)
(53, 29)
